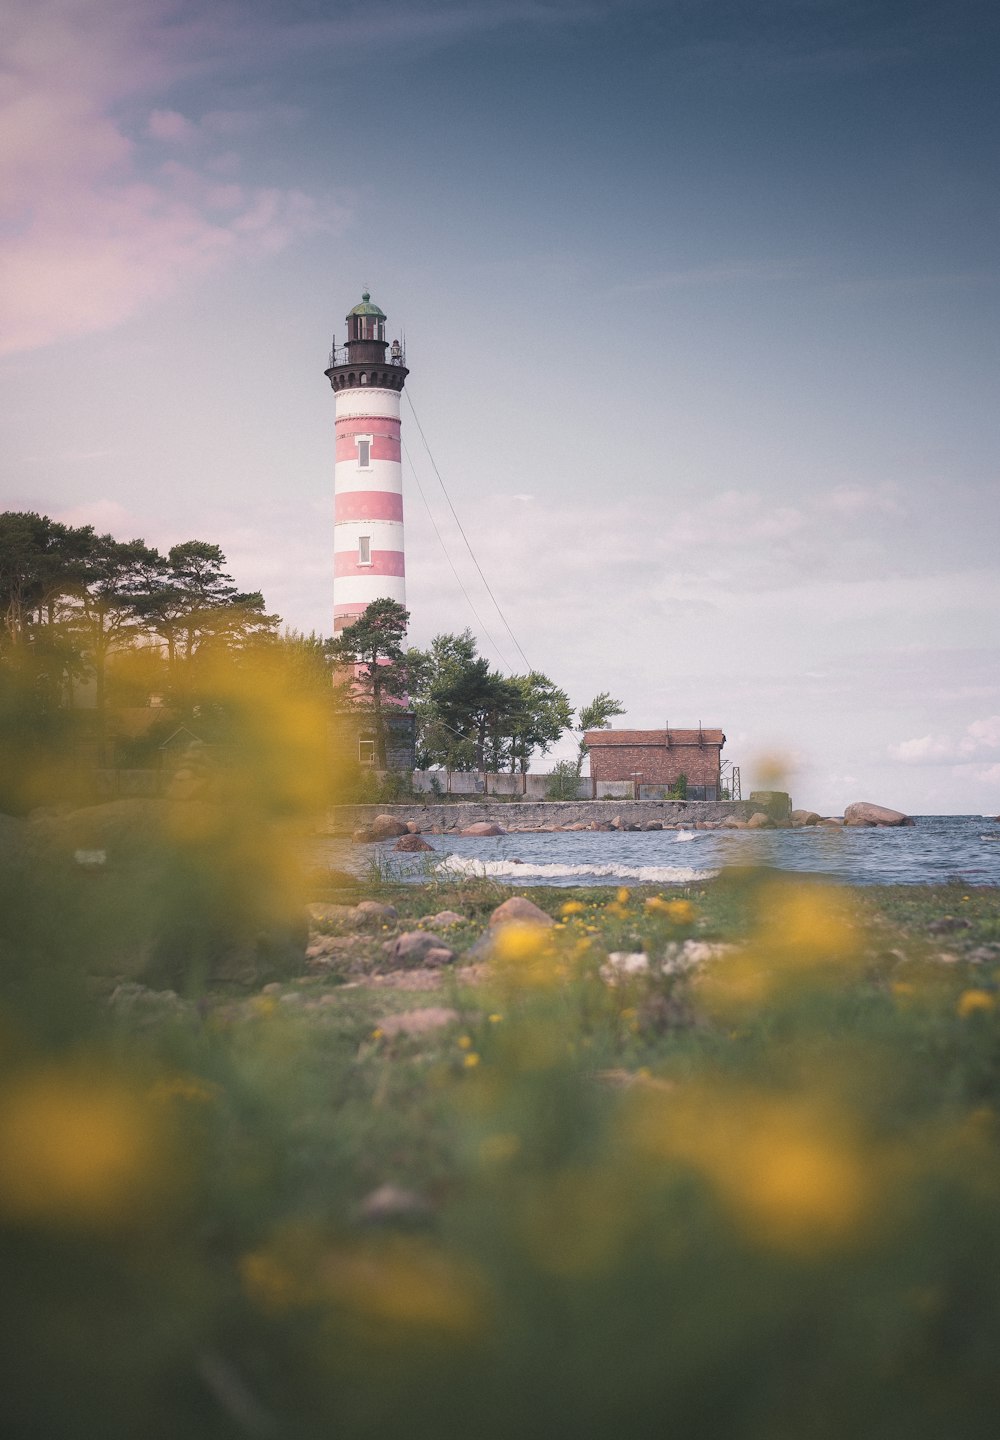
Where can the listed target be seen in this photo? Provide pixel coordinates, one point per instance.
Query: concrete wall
(527, 814)
(475, 782)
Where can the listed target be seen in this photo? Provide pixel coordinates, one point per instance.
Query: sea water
(937, 848)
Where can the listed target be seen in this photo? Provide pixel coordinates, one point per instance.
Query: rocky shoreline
(366, 824)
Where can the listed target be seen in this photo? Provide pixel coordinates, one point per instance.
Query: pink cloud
(88, 236)
(171, 127)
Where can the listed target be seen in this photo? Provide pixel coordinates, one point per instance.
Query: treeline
(91, 626)
(72, 600)
(93, 629)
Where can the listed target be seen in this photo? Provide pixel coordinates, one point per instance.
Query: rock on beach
(521, 911)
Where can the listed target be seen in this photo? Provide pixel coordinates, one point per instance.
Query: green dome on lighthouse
(367, 308)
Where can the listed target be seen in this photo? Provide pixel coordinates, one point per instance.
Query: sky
(700, 303)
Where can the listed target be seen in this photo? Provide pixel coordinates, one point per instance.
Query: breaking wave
(643, 874)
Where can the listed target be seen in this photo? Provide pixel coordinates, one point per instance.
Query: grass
(755, 1199)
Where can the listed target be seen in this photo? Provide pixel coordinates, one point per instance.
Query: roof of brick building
(654, 737)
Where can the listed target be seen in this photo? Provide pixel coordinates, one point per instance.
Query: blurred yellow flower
(183, 1087)
(263, 1005)
(494, 1019)
(623, 896)
(788, 1170)
(804, 921)
(464, 1042)
(523, 954)
(771, 770)
(517, 941)
(803, 934)
(405, 1285)
(77, 1149)
(572, 907)
(498, 1149)
(269, 1284)
(972, 1002)
(681, 912)
(470, 1060)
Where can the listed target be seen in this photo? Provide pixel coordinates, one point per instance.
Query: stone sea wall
(521, 815)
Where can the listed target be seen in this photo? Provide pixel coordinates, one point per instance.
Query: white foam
(645, 874)
(686, 835)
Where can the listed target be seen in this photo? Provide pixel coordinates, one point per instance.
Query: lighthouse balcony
(367, 352)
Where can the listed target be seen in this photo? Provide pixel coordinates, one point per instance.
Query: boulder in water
(863, 812)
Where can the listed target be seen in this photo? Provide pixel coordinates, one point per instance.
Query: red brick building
(658, 758)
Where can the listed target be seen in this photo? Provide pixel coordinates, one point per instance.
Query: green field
(754, 1192)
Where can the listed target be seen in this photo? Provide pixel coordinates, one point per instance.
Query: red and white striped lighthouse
(368, 477)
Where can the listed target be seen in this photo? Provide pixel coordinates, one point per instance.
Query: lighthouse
(367, 375)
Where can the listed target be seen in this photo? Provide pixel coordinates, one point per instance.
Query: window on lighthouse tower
(364, 451)
(364, 549)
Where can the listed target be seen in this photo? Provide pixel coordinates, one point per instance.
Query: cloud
(92, 228)
(979, 739)
(171, 127)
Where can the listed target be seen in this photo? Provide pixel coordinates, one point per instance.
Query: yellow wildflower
(624, 896)
(523, 953)
(183, 1087)
(494, 1019)
(470, 1060)
(404, 1285)
(76, 1149)
(268, 1283)
(680, 912)
(464, 1042)
(498, 1149)
(788, 1171)
(972, 1002)
(572, 907)
(518, 941)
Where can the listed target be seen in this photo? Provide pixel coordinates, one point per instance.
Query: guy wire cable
(413, 471)
(465, 537)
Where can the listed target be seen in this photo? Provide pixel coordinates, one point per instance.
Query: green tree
(466, 712)
(197, 605)
(446, 680)
(544, 713)
(597, 715)
(105, 611)
(375, 667)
